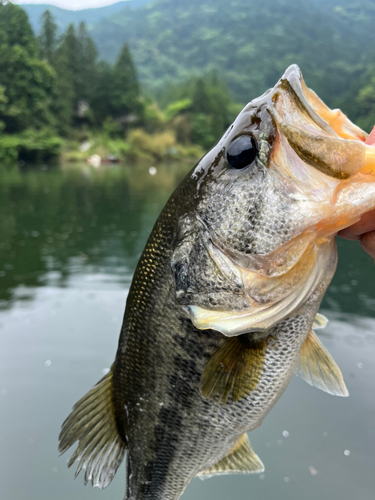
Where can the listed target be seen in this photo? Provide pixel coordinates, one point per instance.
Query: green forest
(55, 95)
(163, 79)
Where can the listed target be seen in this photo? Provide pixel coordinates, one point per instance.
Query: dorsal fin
(241, 459)
(234, 369)
(317, 367)
(320, 321)
(92, 423)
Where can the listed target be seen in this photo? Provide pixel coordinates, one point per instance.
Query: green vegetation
(57, 98)
(30, 145)
(249, 43)
(172, 73)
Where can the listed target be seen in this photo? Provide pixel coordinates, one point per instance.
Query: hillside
(64, 17)
(249, 42)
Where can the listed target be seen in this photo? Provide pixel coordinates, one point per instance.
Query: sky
(71, 4)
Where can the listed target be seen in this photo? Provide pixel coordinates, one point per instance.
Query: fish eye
(242, 151)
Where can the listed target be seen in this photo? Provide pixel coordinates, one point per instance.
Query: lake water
(69, 242)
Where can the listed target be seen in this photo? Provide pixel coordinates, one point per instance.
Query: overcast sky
(71, 4)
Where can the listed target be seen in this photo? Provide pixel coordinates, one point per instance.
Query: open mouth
(339, 158)
(322, 138)
(344, 128)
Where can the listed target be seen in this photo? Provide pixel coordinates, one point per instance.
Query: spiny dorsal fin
(241, 459)
(234, 369)
(317, 367)
(92, 423)
(320, 321)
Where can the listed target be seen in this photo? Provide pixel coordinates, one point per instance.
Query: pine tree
(15, 25)
(87, 60)
(48, 38)
(201, 98)
(125, 94)
(28, 83)
(70, 46)
(64, 94)
(102, 98)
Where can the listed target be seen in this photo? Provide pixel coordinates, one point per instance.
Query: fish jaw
(322, 138)
(329, 159)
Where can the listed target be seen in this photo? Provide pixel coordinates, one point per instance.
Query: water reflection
(54, 223)
(70, 239)
(352, 289)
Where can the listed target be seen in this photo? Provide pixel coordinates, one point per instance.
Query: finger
(365, 225)
(368, 243)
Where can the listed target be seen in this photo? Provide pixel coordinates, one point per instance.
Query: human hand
(363, 230)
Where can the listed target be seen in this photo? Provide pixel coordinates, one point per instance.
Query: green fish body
(224, 298)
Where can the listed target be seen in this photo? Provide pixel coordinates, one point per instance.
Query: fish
(223, 306)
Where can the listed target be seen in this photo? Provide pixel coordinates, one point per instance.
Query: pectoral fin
(241, 459)
(92, 423)
(317, 367)
(320, 321)
(234, 369)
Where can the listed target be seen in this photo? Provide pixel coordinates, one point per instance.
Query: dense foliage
(54, 85)
(187, 54)
(249, 43)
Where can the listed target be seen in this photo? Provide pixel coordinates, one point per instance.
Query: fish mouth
(310, 134)
(322, 138)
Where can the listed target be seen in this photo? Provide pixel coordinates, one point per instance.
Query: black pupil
(241, 151)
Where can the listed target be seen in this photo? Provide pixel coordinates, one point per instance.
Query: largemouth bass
(223, 302)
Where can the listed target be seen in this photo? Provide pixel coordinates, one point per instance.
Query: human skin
(363, 230)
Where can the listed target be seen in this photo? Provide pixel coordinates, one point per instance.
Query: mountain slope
(64, 17)
(249, 42)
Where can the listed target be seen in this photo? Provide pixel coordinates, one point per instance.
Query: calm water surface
(70, 240)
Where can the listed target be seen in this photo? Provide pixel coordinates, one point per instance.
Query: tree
(76, 67)
(207, 101)
(64, 93)
(201, 98)
(16, 29)
(365, 100)
(87, 61)
(28, 82)
(102, 99)
(3, 103)
(125, 91)
(48, 38)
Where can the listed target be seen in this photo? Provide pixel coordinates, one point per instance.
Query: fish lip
(293, 76)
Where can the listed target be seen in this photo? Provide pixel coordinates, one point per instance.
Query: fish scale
(221, 309)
